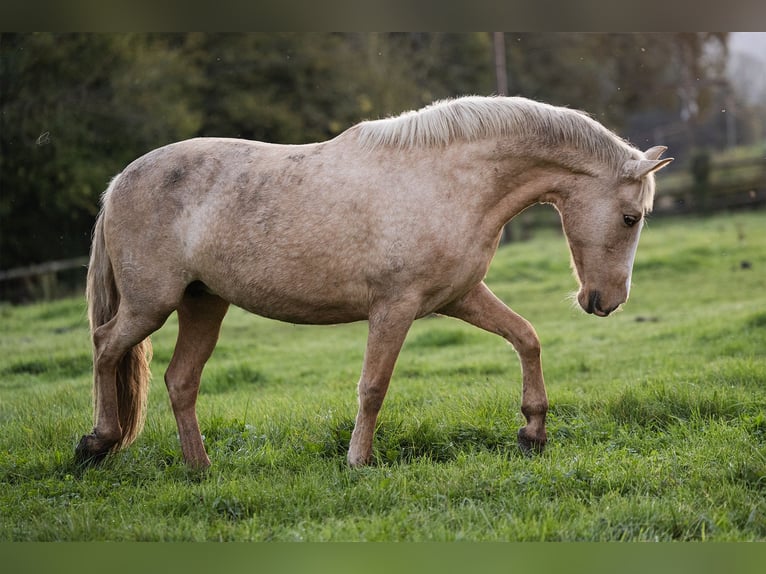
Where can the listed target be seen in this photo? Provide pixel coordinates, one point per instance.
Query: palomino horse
(389, 221)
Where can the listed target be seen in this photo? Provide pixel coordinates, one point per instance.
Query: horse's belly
(285, 303)
(306, 315)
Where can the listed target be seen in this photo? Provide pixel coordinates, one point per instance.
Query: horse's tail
(133, 372)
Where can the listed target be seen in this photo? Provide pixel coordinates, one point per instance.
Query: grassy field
(657, 427)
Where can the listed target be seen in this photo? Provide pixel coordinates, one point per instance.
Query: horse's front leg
(388, 328)
(199, 324)
(480, 307)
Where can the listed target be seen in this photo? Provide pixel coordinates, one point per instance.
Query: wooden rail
(734, 184)
(43, 268)
(42, 281)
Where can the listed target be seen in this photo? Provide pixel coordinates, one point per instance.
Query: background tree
(73, 110)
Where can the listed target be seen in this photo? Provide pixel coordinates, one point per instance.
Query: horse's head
(603, 220)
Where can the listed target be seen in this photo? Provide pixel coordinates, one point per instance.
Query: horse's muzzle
(594, 305)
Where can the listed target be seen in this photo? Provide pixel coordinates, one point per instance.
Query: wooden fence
(731, 185)
(44, 281)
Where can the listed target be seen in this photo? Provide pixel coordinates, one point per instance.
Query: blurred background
(76, 108)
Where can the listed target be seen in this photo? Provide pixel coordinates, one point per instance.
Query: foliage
(614, 76)
(75, 109)
(657, 424)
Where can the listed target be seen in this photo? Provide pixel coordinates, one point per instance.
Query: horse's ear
(640, 168)
(655, 152)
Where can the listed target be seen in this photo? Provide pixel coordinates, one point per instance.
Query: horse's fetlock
(358, 461)
(358, 455)
(532, 441)
(535, 409)
(92, 449)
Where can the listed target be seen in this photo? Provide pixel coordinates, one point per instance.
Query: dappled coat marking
(392, 220)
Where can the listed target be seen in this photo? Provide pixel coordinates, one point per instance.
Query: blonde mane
(474, 117)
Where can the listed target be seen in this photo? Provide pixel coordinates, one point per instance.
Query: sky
(747, 67)
(753, 43)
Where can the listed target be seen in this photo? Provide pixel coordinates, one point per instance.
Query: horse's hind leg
(112, 341)
(482, 308)
(199, 322)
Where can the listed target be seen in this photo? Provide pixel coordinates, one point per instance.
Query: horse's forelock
(646, 193)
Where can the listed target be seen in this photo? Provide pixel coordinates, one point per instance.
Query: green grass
(657, 425)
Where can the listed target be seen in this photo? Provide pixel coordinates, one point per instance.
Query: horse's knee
(522, 335)
(182, 390)
(530, 347)
(371, 396)
(527, 343)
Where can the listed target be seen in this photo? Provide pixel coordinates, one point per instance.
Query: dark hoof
(90, 451)
(530, 445)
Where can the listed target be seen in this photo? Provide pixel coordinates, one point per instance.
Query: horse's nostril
(593, 301)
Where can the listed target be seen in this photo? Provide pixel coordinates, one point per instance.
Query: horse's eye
(630, 220)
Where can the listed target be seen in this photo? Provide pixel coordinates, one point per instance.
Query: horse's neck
(524, 177)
